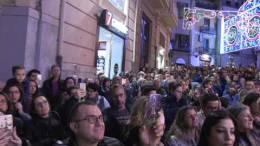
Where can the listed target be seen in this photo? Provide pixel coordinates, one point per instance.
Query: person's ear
(74, 127)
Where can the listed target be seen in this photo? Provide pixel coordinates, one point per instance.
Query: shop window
(110, 53)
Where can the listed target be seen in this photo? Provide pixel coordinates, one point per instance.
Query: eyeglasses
(91, 119)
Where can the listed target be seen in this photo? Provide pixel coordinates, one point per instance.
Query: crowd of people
(179, 106)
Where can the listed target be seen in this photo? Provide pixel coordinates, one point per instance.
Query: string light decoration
(194, 15)
(240, 29)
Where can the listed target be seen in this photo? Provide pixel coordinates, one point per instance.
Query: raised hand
(15, 140)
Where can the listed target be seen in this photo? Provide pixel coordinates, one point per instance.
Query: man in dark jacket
(173, 102)
(52, 87)
(87, 126)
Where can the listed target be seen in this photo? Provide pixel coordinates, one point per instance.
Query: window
(181, 7)
(206, 23)
(182, 42)
(110, 53)
(120, 4)
(145, 38)
(206, 45)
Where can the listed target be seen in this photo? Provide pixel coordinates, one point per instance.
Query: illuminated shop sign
(109, 21)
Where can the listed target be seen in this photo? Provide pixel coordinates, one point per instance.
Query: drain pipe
(60, 34)
(39, 36)
(135, 28)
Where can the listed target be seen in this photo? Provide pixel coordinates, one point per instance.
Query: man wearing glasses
(87, 126)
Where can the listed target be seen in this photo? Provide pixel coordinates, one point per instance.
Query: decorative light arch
(240, 29)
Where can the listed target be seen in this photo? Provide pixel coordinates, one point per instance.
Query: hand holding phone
(82, 86)
(152, 110)
(6, 122)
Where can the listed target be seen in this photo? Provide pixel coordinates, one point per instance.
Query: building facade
(204, 36)
(180, 39)
(84, 37)
(155, 19)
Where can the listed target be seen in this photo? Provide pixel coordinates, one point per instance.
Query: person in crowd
(209, 103)
(207, 86)
(117, 80)
(19, 79)
(184, 130)
(219, 129)
(34, 75)
(52, 87)
(105, 87)
(257, 86)
(250, 86)
(6, 108)
(194, 96)
(46, 126)
(173, 102)
(117, 116)
(232, 95)
(147, 89)
(244, 121)
(102, 102)
(15, 95)
(131, 91)
(75, 95)
(252, 100)
(87, 127)
(69, 82)
(242, 83)
(159, 89)
(185, 83)
(33, 92)
(147, 122)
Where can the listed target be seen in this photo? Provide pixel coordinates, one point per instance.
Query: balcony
(168, 15)
(206, 29)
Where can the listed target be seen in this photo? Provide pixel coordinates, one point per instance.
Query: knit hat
(237, 109)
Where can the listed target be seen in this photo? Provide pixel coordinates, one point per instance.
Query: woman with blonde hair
(184, 130)
(147, 122)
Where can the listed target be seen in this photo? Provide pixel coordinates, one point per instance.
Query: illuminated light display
(242, 31)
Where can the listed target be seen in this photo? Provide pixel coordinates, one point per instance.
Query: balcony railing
(207, 29)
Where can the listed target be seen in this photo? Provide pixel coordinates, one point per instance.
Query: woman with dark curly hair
(219, 129)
